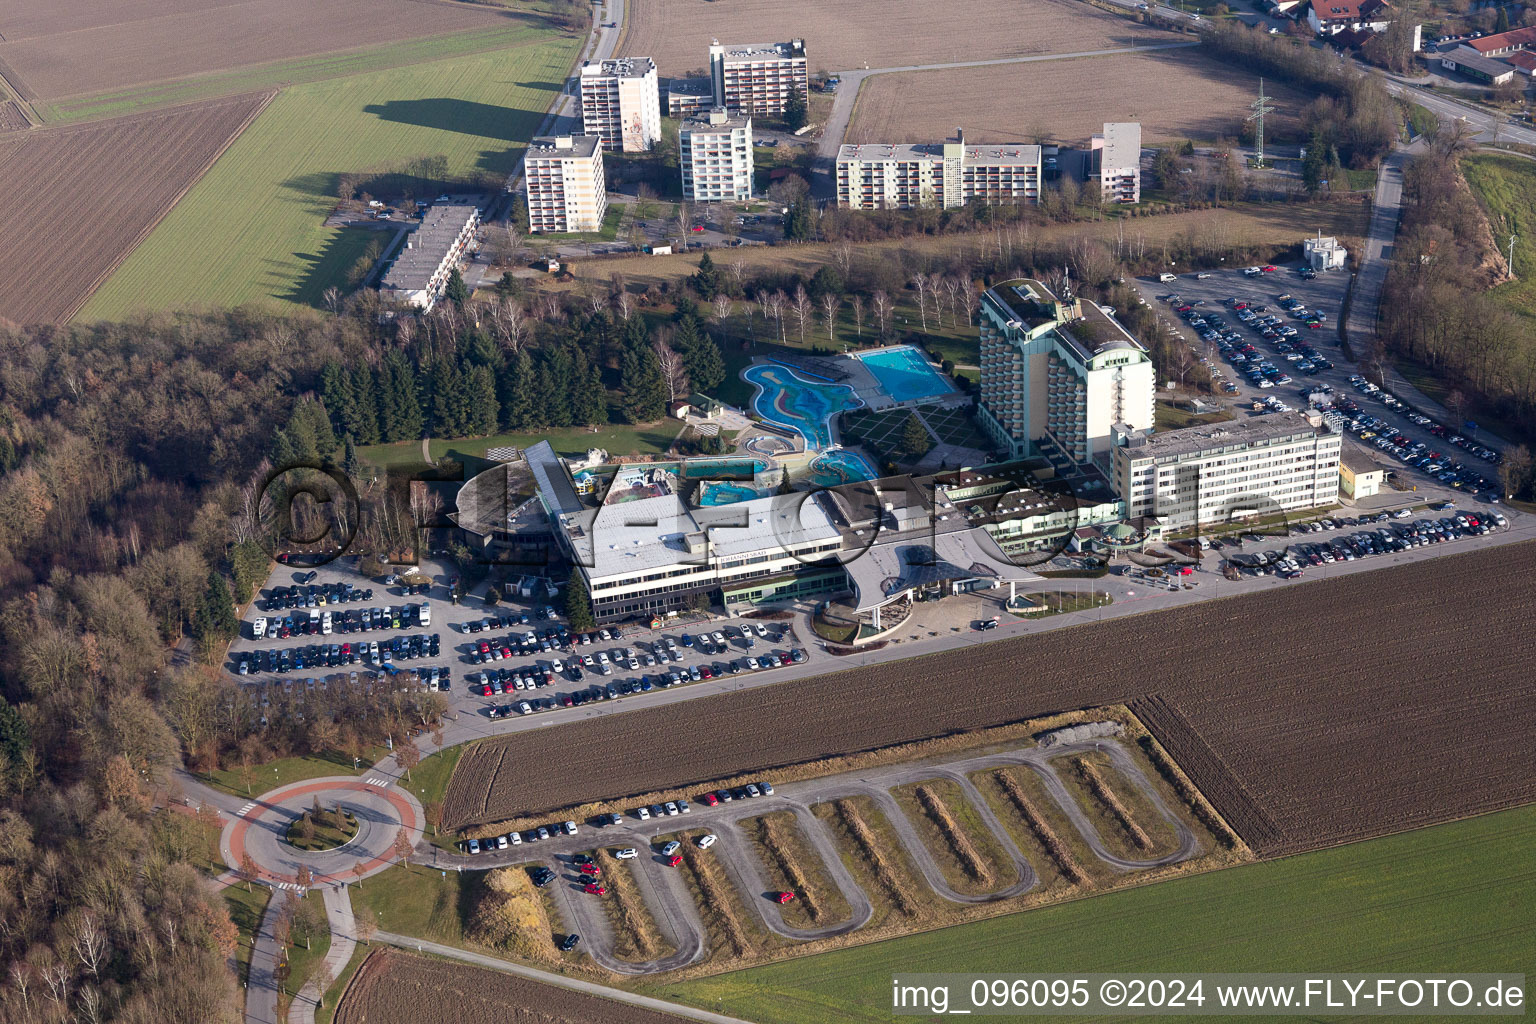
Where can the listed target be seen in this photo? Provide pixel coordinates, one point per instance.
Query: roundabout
(380, 814)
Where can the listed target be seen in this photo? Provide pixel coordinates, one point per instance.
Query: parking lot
(517, 657)
(1253, 333)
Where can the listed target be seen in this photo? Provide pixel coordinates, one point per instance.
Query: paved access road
(672, 906)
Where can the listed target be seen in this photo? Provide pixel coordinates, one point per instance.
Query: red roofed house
(1523, 60)
(1505, 42)
(1328, 17)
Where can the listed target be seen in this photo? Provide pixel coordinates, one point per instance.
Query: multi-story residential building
(1116, 161)
(758, 78)
(621, 102)
(1221, 472)
(900, 177)
(1330, 17)
(421, 271)
(689, 96)
(1058, 374)
(563, 178)
(715, 154)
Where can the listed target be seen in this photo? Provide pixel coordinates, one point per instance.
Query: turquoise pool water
(735, 469)
(840, 467)
(715, 493)
(788, 399)
(905, 375)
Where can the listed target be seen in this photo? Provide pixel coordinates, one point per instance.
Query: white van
(1165, 277)
(424, 613)
(325, 624)
(259, 627)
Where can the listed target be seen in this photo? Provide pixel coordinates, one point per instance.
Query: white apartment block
(1115, 158)
(758, 78)
(1221, 472)
(421, 271)
(901, 177)
(1058, 375)
(715, 154)
(621, 103)
(563, 178)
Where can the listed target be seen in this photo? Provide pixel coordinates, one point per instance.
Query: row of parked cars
(1418, 454)
(365, 652)
(326, 621)
(506, 621)
(1383, 534)
(532, 835)
(496, 682)
(314, 596)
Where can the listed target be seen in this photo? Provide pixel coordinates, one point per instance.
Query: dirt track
(399, 987)
(1335, 711)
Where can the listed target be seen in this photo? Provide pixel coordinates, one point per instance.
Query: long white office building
(758, 78)
(1058, 375)
(621, 103)
(882, 176)
(564, 183)
(715, 156)
(1224, 471)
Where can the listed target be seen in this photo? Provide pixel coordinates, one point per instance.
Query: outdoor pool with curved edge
(714, 493)
(905, 374)
(838, 467)
(790, 400)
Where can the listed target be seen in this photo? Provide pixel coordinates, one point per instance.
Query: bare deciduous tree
(800, 305)
(920, 285)
(842, 255)
(880, 302)
(829, 307)
(776, 303)
(723, 306)
(673, 375)
(856, 303)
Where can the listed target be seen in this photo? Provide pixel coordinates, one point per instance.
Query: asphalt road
(673, 906)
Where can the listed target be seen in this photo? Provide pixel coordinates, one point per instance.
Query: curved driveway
(672, 906)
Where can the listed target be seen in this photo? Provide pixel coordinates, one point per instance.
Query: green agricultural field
(282, 73)
(1450, 898)
(252, 231)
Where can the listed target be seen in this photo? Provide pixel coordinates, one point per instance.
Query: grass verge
(1397, 903)
(245, 910)
(282, 772)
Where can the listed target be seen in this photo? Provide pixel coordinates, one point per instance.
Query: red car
(674, 860)
(711, 799)
(599, 890)
(705, 672)
(697, 228)
(785, 897)
(484, 647)
(506, 654)
(590, 869)
(485, 690)
(1269, 268)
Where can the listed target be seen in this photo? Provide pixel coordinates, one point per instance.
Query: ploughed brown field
(860, 33)
(1175, 94)
(1310, 715)
(49, 50)
(397, 988)
(79, 198)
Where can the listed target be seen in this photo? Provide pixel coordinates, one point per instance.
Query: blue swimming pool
(840, 467)
(905, 375)
(790, 400)
(722, 469)
(714, 493)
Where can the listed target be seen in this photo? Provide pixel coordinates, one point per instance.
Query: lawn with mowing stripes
(1453, 897)
(252, 231)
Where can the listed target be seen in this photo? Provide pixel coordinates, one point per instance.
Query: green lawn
(280, 773)
(618, 438)
(1452, 897)
(1506, 186)
(245, 910)
(282, 73)
(327, 836)
(326, 1011)
(302, 961)
(252, 230)
(429, 780)
(1173, 417)
(607, 233)
(419, 901)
